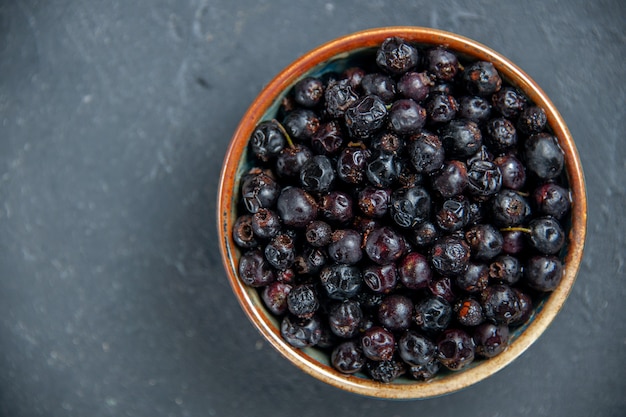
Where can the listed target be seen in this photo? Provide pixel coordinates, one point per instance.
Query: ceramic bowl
(337, 55)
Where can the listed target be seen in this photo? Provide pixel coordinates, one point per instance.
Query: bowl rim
(367, 39)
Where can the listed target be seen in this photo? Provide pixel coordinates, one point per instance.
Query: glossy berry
(347, 357)
(546, 235)
(415, 85)
(410, 206)
(308, 92)
(442, 287)
(406, 117)
(317, 174)
(338, 96)
(512, 170)
(513, 242)
(551, 199)
(351, 164)
(481, 78)
(301, 124)
(243, 234)
(336, 206)
(455, 349)
(450, 255)
(266, 223)
(441, 108)
(318, 233)
(302, 301)
(296, 207)
(543, 273)
(508, 101)
(396, 56)
(509, 208)
(345, 246)
(380, 279)
(384, 245)
(442, 63)
(328, 139)
(453, 215)
(365, 116)
(378, 344)
(374, 202)
(280, 251)
(451, 180)
(491, 339)
(532, 120)
(474, 108)
(526, 308)
(310, 261)
(425, 372)
(484, 240)
(254, 270)
(426, 152)
(474, 279)
(267, 140)
(345, 318)
(259, 190)
(380, 85)
(461, 138)
(301, 333)
(543, 156)
(383, 169)
(387, 142)
(416, 349)
(395, 312)
(414, 271)
(505, 269)
(290, 160)
(500, 303)
(385, 371)
(274, 296)
(424, 234)
(469, 312)
(501, 134)
(341, 281)
(432, 314)
(354, 76)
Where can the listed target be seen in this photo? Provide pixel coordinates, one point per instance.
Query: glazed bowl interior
(335, 56)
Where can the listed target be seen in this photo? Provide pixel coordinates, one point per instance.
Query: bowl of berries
(401, 212)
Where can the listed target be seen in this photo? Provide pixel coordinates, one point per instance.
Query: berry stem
(516, 229)
(284, 132)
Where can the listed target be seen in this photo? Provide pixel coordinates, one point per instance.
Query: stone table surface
(114, 120)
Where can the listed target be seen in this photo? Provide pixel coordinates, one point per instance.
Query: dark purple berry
(442, 63)
(336, 206)
(259, 190)
(453, 215)
(450, 255)
(384, 245)
(317, 174)
(481, 78)
(267, 140)
(543, 273)
(387, 142)
(455, 349)
(432, 314)
(328, 139)
(345, 246)
(296, 207)
(354, 76)
(532, 120)
(410, 206)
(345, 318)
(395, 312)
(469, 312)
(543, 156)
(310, 261)
(526, 308)
(406, 117)
(243, 234)
(500, 303)
(318, 233)
(381, 279)
(351, 164)
(491, 339)
(374, 202)
(513, 241)
(365, 116)
(512, 170)
(441, 108)
(274, 296)
(301, 124)
(378, 344)
(426, 152)
(414, 271)
(505, 269)
(501, 134)
(254, 270)
(415, 85)
(547, 235)
(475, 278)
(341, 281)
(396, 56)
(380, 85)
(290, 160)
(383, 169)
(338, 97)
(485, 241)
(424, 234)
(474, 108)
(508, 102)
(461, 138)
(385, 371)
(347, 357)
(418, 351)
(301, 333)
(509, 208)
(280, 251)
(308, 91)
(425, 372)
(441, 287)
(266, 223)
(302, 301)
(552, 199)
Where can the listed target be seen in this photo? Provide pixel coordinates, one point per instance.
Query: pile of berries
(405, 214)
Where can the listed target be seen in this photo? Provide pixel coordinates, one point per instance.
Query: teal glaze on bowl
(332, 57)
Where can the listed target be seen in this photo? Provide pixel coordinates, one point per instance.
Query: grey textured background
(114, 119)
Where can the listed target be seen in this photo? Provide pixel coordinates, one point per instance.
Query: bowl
(338, 54)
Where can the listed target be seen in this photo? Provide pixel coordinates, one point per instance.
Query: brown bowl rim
(250, 302)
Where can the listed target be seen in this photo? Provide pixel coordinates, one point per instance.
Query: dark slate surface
(114, 119)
